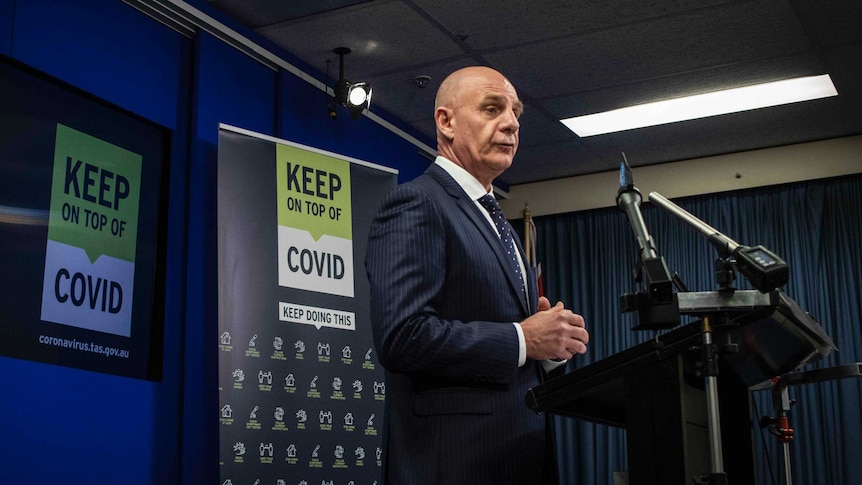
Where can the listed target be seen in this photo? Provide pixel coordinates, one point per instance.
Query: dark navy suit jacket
(442, 306)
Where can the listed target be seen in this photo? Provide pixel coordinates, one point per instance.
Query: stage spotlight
(353, 96)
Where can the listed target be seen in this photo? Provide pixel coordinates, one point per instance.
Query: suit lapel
(469, 209)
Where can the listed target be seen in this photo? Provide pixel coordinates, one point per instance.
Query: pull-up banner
(301, 393)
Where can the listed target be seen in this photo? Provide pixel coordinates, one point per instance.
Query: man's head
(476, 113)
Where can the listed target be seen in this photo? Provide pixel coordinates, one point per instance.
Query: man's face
(485, 126)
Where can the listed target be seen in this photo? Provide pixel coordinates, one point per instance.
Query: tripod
(781, 402)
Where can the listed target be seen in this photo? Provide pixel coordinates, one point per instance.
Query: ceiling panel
(658, 49)
(375, 34)
(256, 14)
(494, 24)
(582, 56)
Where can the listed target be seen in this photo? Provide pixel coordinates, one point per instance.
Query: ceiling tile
(379, 35)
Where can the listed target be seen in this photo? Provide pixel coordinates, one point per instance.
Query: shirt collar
(472, 187)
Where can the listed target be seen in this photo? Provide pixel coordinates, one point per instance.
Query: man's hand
(554, 332)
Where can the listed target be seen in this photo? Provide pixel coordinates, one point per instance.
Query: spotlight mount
(353, 96)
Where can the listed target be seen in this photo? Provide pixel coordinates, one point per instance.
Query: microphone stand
(717, 475)
(657, 307)
(764, 269)
(781, 402)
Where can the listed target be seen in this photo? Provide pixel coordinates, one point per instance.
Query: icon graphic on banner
(224, 339)
(266, 449)
(90, 254)
(326, 417)
(299, 345)
(312, 389)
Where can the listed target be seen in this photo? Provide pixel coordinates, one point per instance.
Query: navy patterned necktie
(490, 204)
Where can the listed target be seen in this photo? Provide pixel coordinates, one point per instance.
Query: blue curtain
(587, 260)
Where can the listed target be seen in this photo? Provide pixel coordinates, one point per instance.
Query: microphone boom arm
(765, 270)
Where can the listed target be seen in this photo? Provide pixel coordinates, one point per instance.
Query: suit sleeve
(420, 289)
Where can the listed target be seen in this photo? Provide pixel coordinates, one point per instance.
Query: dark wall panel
(104, 47)
(230, 88)
(7, 9)
(63, 425)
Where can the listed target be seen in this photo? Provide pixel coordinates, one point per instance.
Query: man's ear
(443, 120)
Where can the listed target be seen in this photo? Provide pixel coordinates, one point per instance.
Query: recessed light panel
(703, 105)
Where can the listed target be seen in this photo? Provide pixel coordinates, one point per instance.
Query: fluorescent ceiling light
(703, 105)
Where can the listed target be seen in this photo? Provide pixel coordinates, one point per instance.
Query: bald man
(456, 319)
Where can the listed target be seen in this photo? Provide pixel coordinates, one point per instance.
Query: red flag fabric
(534, 260)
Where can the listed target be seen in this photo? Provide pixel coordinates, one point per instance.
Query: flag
(532, 259)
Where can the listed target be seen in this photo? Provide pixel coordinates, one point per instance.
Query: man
(457, 323)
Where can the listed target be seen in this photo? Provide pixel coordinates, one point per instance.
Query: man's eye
(491, 109)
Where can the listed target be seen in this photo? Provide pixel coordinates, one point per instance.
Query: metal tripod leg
(717, 475)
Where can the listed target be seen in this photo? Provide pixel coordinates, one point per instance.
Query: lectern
(656, 390)
(683, 396)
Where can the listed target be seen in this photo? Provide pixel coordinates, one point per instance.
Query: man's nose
(510, 123)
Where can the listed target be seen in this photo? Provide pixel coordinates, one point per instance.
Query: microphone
(629, 201)
(657, 307)
(765, 270)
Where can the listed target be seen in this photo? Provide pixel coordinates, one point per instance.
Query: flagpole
(527, 231)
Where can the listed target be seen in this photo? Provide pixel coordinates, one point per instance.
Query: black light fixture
(353, 96)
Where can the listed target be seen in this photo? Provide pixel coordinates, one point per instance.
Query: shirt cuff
(522, 345)
(550, 365)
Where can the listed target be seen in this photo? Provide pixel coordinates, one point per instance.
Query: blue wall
(63, 425)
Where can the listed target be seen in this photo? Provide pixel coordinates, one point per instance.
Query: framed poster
(83, 199)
